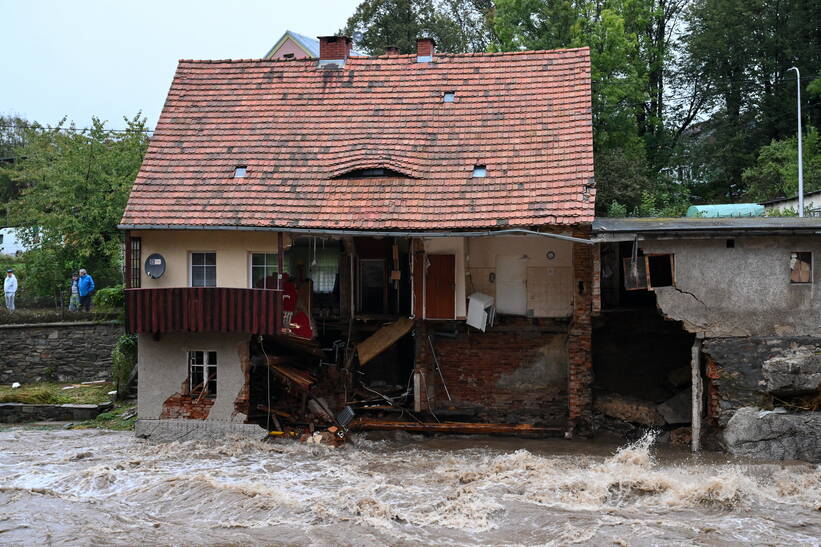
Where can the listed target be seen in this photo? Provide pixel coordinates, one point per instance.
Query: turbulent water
(102, 487)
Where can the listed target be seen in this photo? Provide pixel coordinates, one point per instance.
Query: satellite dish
(155, 266)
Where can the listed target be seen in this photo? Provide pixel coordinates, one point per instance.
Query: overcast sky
(113, 58)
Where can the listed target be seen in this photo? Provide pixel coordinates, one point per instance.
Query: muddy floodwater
(102, 487)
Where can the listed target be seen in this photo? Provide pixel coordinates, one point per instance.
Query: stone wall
(59, 352)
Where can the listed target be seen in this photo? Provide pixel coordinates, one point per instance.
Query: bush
(110, 298)
(123, 361)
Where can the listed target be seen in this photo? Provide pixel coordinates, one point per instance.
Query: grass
(113, 419)
(54, 394)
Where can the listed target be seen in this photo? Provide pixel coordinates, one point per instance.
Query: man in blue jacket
(86, 288)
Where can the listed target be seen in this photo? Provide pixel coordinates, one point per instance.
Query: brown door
(440, 287)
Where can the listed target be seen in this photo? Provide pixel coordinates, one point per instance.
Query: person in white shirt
(10, 289)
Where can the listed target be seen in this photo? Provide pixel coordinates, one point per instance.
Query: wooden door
(440, 287)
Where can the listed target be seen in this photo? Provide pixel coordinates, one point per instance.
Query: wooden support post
(698, 390)
(280, 271)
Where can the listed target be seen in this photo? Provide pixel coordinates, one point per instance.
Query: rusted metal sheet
(202, 309)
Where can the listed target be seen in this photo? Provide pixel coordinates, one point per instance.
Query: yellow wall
(549, 282)
(232, 248)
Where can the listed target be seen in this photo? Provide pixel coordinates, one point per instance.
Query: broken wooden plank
(300, 378)
(383, 339)
(525, 430)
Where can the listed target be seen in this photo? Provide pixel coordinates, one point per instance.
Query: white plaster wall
(810, 202)
(452, 246)
(163, 368)
(741, 291)
(12, 244)
(232, 248)
(549, 282)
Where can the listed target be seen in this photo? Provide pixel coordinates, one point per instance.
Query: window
(801, 267)
(203, 269)
(660, 271)
(202, 369)
(240, 171)
(479, 171)
(449, 96)
(135, 259)
(263, 270)
(323, 273)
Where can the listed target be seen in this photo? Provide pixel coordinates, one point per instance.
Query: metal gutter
(383, 233)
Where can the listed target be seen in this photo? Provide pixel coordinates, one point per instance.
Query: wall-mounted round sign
(155, 266)
(551, 255)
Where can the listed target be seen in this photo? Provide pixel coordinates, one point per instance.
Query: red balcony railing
(202, 309)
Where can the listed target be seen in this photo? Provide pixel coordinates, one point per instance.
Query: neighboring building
(294, 46)
(812, 204)
(10, 242)
(389, 190)
(731, 301)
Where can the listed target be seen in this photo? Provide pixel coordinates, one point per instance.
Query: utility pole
(800, 154)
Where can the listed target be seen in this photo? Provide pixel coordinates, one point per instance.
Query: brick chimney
(391, 50)
(424, 50)
(334, 50)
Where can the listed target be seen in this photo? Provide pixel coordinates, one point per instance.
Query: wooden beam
(698, 389)
(383, 339)
(525, 430)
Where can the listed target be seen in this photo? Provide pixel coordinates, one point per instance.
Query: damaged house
(405, 239)
(714, 323)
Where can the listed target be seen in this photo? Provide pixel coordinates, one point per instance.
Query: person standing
(10, 289)
(85, 287)
(74, 299)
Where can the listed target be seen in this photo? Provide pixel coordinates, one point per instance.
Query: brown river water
(94, 487)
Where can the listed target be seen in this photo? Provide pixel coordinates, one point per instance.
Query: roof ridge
(402, 56)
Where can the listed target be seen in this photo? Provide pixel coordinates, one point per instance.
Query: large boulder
(798, 372)
(762, 434)
(678, 409)
(629, 409)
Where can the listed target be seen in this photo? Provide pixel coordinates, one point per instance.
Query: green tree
(76, 183)
(456, 25)
(775, 173)
(12, 137)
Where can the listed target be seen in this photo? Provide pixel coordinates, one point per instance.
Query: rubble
(759, 434)
(678, 409)
(629, 409)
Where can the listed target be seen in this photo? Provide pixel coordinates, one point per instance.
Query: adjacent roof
(791, 198)
(308, 44)
(525, 115)
(619, 229)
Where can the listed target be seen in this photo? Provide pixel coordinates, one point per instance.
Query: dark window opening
(134, 277)
(288, 56)
(660, 271)
(801, 267)
(731, 243)
(202, 367)
(372, 172)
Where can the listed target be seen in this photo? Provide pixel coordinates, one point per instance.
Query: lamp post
(800, 154)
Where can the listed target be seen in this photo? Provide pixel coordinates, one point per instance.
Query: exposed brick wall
(579, 344)
(514, 372)
(182, 405)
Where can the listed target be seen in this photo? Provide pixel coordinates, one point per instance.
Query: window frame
(650, 286)
(191, 268)
(251, 268)
(206, 367)
(812, 268)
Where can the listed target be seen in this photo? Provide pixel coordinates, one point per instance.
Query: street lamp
(800, 155)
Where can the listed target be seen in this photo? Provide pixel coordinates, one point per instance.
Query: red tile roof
(526, 115)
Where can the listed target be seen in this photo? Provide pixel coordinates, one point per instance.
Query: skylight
(449, 96)
(479, 171)
(240, 171)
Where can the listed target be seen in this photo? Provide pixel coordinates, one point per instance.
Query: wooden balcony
(202, 309)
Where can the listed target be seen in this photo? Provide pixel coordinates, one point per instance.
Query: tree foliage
(75, 184)
(775, 172)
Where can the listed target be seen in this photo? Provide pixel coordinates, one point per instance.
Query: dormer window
(372, 172)
(479, 171)
(240, 171)
(449, 96)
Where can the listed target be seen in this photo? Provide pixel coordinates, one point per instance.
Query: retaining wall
(58, 352)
